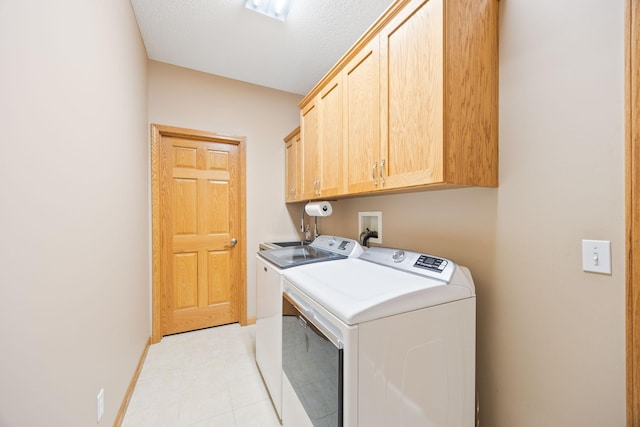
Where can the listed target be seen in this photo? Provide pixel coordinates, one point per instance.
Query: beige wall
(550, 337)
(74, 280)
(74, 273)
(191, 99)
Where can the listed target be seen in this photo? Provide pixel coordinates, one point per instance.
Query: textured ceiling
(223, 37)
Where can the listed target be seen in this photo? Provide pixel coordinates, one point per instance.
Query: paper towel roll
(318, 209)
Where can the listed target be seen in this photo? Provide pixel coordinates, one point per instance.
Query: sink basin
(294, 243)
(298, 254)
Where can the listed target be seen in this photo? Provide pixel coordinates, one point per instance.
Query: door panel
(217, 160)
(198, 215)
(185, 280)
(185, 157)
(218, 270)
(185, 205)
(217, 211)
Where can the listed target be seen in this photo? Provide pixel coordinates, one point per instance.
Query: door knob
(234, 241)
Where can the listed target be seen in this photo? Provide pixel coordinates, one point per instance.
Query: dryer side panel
(418, 369)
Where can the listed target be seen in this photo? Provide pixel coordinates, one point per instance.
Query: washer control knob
(399, 256)
(332, 241)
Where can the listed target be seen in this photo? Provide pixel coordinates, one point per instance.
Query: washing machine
(270, 264)
(385, 339)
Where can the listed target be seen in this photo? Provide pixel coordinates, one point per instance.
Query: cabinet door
(412, 82)
(362, 119)
(331, 139)
(310, 152)
(292, 168)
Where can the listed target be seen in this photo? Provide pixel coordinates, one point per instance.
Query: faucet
(366, 235)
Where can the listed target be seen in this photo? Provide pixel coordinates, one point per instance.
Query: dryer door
(312, 360)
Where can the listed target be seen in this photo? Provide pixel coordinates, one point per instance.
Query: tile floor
(206, 378)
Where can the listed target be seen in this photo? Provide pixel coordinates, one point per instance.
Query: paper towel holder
(318, 208)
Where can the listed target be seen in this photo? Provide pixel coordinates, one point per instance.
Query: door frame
(632, 208)
(157, 132)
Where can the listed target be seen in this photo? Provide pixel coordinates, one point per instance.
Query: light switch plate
(596, 256)
(100, 399)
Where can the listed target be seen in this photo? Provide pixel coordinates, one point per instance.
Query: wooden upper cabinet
(412, 101)
(310, 151)
(331, 179)
(416, 102)
(322, 143)
(361, 78)
(439, 94)
(293, 166)
(471, 92)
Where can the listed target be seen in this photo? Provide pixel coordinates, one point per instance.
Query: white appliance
(270, 265)
(386, 339)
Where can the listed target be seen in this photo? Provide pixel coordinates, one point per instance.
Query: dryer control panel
(432, 263)
(411, 262)
(339, 245)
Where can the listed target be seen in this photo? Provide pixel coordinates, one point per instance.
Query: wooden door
(331, 139)
(200, 230)
(632, 119)
(310, 153)
(362, 119)
(412, 119)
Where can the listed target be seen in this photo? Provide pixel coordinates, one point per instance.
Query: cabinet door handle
(382, 172)
(373, 173)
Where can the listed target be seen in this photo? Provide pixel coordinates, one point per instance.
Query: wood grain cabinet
(310, 150)
(331, 182)
(293, 167)
(361, 78)
(439, 87)
(322, 143)
(412, 105)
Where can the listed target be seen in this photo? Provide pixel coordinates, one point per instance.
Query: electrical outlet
(596, 256)
(100, 400)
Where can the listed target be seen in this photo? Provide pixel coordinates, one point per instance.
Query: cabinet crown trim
(372, 32)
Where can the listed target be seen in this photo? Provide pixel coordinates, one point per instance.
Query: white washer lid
(357, 291)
